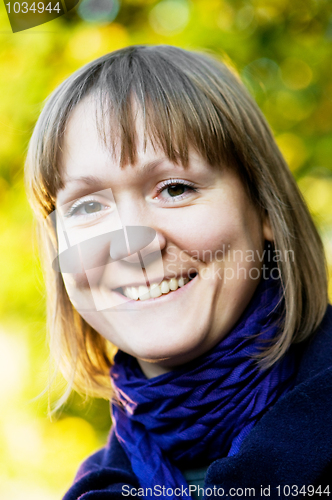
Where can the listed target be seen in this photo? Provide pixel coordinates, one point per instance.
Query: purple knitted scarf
(203, 410)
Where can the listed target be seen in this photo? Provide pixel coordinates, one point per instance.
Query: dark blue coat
(290, 446)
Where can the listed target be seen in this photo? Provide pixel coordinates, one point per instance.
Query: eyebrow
(86, 179)
(93, 180)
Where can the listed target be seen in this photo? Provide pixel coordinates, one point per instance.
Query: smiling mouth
(155, 290)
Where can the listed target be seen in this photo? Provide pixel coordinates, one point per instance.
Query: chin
(181, 347)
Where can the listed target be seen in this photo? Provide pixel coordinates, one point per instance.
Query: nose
(130, 240)
(139, 233)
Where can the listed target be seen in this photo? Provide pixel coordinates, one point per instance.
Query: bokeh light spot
(296, 74)
(26, 489)
(293, 149)
(317, 192)
(98, 11)
(323, 151)
(114, 36)
(261, 75)
(24, 440)
(245, 17)
(266, 13)
(226, 18)
(13, 365)
(170, 17)
(85, 44)
(292, 107)
(79, 436)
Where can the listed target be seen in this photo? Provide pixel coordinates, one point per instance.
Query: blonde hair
(187, 99)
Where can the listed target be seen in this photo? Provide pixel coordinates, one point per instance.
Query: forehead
(83, 143)
(91, 136)
(88, 160)
(92, 141)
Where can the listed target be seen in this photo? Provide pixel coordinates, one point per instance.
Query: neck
(151, 369)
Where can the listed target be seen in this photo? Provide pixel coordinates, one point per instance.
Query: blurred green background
(283, 51)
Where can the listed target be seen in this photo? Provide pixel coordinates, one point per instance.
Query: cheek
(86, 280)
(211, 230)
(84, 264)
(75, 281)
(78, 290)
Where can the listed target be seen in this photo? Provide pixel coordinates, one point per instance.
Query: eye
(86, 208)
(91, 207)
(175, 189)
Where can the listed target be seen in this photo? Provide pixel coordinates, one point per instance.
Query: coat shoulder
(317, 350)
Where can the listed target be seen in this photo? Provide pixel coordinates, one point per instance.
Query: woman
(176, 234)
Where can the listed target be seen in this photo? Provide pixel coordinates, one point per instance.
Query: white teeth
(144, 293)
(173, 284)
(182, 281)
(155, 291)
(164, 287)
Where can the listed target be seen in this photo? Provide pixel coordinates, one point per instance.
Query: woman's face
(204, 226)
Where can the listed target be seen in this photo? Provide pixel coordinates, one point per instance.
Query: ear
(267, 230)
